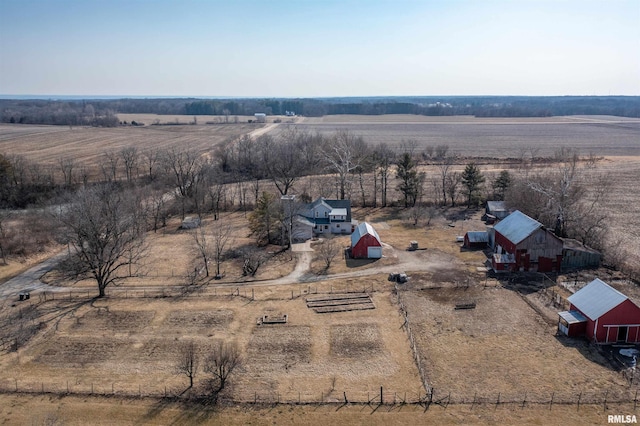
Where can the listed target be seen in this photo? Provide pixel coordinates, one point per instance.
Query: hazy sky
(307, 48)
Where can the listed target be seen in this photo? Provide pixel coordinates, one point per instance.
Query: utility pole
(289, 215)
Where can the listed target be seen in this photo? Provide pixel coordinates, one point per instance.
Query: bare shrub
(328, 251)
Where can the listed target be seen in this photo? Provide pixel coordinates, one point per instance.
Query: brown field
(46, 145)
(491, 137)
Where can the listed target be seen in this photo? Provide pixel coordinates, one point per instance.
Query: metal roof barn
(517, 226)
(610, 316)
(365, 242)
(533, 247)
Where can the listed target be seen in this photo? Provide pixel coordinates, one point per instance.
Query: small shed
(190, 222)
(497, 210)
(572, 323)
(365, 242)
(261, 117)
(476, 239)
(605, 315)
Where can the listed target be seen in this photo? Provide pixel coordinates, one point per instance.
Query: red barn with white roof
(365, 242)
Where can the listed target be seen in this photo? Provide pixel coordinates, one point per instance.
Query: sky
(319, 48)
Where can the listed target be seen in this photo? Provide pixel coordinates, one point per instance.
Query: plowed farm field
(491, 137)
(46, 145)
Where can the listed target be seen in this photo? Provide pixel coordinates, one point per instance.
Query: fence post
(381, 400)
(551, 402)
(345, 397)
(67, 386)
(498, 401)
(605, 400)
(92, 388)
(580, 397)
(524, 401)
(474, 400)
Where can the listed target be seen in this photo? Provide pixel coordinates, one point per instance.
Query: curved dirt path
(29, 280)
(407, 262)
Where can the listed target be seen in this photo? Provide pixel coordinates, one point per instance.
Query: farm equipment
(413, 246)
(399, 278)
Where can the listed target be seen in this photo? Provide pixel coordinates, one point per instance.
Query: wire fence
(249, 292)
(604, 399)
(412, 340)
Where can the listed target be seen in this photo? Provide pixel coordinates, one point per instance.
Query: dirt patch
(279, 346)
(78, 352)
(356, 340)
(214, 318)
(117, 321)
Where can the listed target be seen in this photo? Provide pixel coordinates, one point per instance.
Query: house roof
(572, 317)
(478, 236)
(495, 206)
(304, 221)
(517, 226)
(596, 299)
(363, 229)
(333, 204)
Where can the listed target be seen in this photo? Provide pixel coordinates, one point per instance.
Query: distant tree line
(102, 112)
(79, 113)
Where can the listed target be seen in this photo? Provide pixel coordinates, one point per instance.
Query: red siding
(625, 314)
(523, 252)
(578, 329)
(360, 249)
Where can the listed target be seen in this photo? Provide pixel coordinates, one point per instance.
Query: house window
(326, 227)
(326, 214)
(337, 225)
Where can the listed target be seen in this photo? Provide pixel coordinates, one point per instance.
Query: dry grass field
(131, 344)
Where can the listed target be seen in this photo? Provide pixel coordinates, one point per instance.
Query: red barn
(602, 314)
(365, 242)
(531, 246)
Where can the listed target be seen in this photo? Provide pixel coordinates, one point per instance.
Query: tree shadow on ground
(358, 263)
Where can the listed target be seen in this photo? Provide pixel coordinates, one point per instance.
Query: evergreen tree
(472, 180)
(501, 184)
(265, 220)
(411, 181)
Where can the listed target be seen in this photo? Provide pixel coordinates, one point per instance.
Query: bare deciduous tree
(343, 157)
(130, 158)
(202, 244)
(106, 234)
(221, 238)
(67, 165)
(224, 359)
(328, 251)
(187, 362)
(252, 260)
